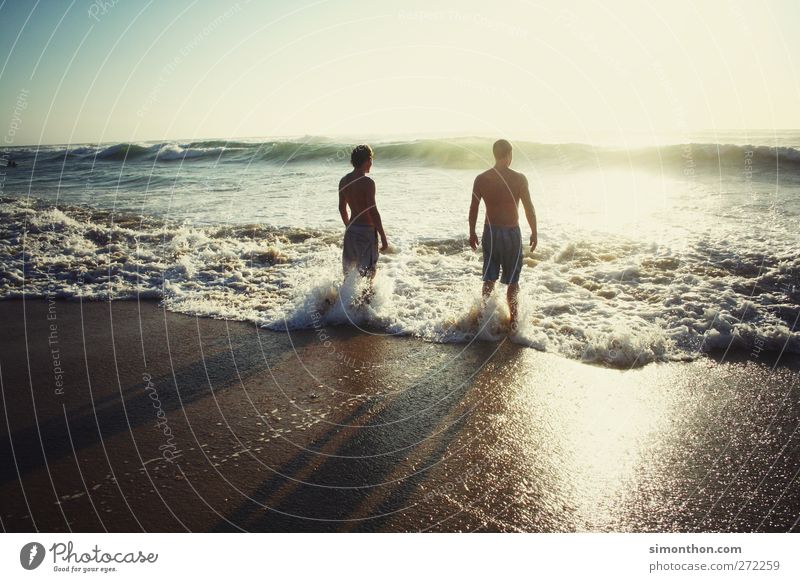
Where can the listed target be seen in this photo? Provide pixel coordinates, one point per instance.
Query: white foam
(609, 301)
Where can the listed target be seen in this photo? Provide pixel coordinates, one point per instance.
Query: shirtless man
(502, 189)
(363, 223)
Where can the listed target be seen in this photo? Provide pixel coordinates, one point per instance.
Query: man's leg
(491, 268)
(488, 287)
(511, 295)
(368, 292)
(369, 266)
(512, 268)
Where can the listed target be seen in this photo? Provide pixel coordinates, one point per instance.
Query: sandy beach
(122, 416)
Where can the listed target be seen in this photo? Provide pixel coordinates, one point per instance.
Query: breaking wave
(469, 153)
(613, 301)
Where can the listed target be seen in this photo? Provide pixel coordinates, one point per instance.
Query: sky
(120, 70)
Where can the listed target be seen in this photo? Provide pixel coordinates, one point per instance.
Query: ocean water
(646, 252)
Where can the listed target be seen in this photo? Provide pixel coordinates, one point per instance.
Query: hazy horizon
(104, 72)
(633, 138)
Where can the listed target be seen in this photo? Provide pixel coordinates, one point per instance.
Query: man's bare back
(357, 191)
(501, 190)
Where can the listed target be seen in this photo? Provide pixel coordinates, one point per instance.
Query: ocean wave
(468, 153)
(611, 301)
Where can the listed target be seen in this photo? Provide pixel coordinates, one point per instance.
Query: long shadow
(222, 370)
(403, 490)
(340, 484)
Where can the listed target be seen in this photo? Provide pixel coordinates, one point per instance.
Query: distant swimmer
(501, 190)
(12, 164)
(363, 223)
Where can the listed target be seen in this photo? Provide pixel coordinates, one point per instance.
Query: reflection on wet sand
(285, 432)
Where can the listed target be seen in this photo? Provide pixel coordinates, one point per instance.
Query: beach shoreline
(122, 416)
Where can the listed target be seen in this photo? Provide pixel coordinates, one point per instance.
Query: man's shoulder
(364, 183)
(519, 177)
(493, 174)
(355, 179)
(360, 178)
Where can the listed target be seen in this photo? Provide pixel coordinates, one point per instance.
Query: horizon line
(416, 135)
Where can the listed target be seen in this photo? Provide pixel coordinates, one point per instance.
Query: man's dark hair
(361, 153)
(501, 149)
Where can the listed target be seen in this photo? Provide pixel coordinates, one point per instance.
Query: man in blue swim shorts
(501, 190)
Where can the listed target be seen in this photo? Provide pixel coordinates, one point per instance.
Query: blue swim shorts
(360, 249)
(502, 249)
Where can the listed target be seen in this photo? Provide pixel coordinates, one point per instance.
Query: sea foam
(610, 301)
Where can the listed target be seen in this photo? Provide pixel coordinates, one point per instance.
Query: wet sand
(123, 417)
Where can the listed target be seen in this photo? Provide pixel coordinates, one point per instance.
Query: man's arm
(343, 204)
(530, 212)
(474, 206)
(375, 215)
